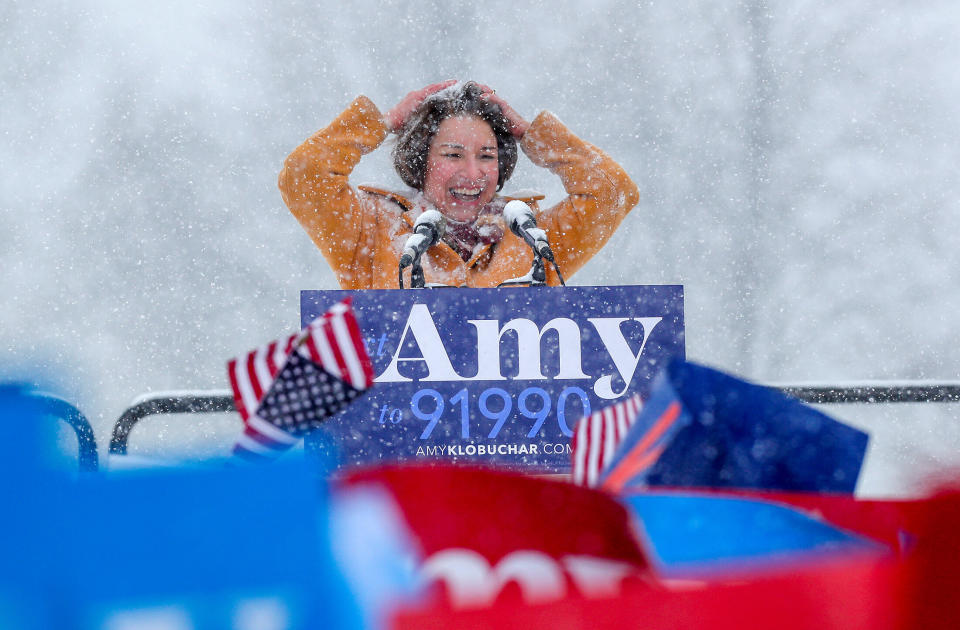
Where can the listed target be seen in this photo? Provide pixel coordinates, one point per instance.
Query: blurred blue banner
(219, 546)
(693, 534)
(703, 428)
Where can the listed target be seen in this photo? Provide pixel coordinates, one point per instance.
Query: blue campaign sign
(496, 376)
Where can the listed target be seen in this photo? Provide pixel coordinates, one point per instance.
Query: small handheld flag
(286, 388)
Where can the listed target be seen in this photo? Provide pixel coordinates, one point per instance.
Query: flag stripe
(593, 450)
(244, 389)
(334, 344)
(291, 344)
(270, 431)
(610, 436)
(629, 464)
(360, 350)
(240, 451)
(235, 386)
(637, 466)
(310, 343)
(659, 428)
(580, 452)
(250, 435)
(252, 377)
(621, 413)
(281, 352)
(318, 341)
(271, 359)
(255, 446)
(339, 308)
(346, 343)
(260, 365)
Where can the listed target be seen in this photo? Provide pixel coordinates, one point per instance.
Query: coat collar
(405, 197)
(407, 200)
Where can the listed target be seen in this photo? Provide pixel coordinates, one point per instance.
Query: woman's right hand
(518, 125)
(398, 114)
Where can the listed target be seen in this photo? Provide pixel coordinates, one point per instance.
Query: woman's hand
(398, 114)
(518, 126)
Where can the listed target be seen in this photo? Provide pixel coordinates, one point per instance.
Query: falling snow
(796, 162)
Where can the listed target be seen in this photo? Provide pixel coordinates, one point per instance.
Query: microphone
(519, 216)
(427, 231)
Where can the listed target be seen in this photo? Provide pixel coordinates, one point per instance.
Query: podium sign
(496, 376)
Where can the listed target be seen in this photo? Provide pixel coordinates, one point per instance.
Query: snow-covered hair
(461, 99)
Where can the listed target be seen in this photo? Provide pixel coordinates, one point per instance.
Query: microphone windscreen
(516, 212)
(432, 218)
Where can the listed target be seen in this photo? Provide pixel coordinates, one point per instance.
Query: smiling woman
(456, 147)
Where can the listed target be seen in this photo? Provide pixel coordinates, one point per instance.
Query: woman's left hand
(396, 116)
(518, 125)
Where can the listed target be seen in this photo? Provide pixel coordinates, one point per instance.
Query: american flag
(597, 437)
(284, 389)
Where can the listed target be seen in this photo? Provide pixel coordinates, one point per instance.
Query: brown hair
(416, 135)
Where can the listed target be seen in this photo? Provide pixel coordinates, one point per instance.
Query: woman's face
(462, 168)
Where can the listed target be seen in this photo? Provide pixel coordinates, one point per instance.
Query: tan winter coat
(361, 231)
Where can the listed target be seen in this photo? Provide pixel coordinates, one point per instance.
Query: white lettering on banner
(420, 325)
(433, 354)
(529, 337)
(613, 340)
(472, 582)
(597, 577)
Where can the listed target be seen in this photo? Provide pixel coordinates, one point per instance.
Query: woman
(456, 147)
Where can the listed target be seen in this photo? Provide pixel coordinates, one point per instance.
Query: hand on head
(398, 114)
(518, 126)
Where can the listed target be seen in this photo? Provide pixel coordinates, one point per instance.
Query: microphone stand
(536, 277)
(416, 276)
(537, 272)
(417, 280)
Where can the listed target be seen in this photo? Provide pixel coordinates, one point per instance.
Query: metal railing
(200, 402)
(222, 401)
(86, 442)
(946, 392)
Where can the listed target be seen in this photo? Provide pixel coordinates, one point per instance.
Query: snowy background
(797, 162)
